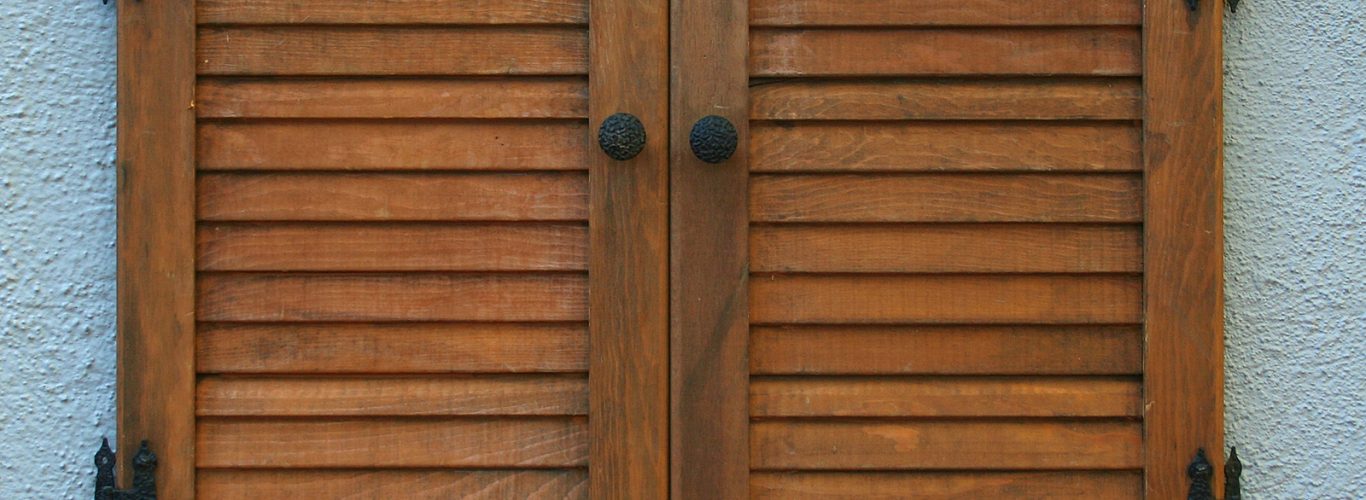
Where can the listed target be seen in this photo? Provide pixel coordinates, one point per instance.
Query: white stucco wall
(1296, 223)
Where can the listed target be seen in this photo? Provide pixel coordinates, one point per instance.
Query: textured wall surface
(1296, 222)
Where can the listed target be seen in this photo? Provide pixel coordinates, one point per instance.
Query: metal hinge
(1201, 471)
(144, 475)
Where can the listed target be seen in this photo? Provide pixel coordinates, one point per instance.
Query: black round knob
(713, 139)
(621, 136)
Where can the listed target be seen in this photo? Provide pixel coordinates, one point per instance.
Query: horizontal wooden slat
(390, 297)
(796, 445)
(946, 299)
(392, 98)
(391, 348)
(1061, 51)
(947, 350)
(946, 248)
(388, 197)
(944, 397)
(1071, 485)
(945, 12)
(946, 198)
(392, 396)
(417, 51)
(552, 484)
(940, 146)
(400, 145)
(434, 442)
(949, 99)
(391, 11)
(392, 247)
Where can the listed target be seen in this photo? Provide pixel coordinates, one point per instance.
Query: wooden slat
(392, 247)
(946, 299)
(940, 146)
(947, 485)
(392, 396)
(1063, 51)
(392, 297)
(434, 442)
(946, 248)
(793, 445)
(391, 197)
(227, 484)
(417, 51)
(947, 350)
(392, 12)
(944, 397)
(946, 198)
(948, 99)
(945, 12)
(392, 98)
(391, 348)
(401, 145)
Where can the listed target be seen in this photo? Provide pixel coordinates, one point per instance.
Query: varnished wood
(945, 12)
(946, 299)
(1184, 242)
(944, 397)
(887, 52)
(1050, 98)
(322, 396)
(533, 484)
(939, 146)
(874, 445)
(394, 145)
(539, 97)
(947, 350)
(483, 442)
(393, 197)
(946, 198)
(414, 51)
(946, 248)
(393, 247)
(1070, 485)
(314, 348)
(393, 12)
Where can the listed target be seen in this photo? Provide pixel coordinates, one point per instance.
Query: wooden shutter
(355, 248)
(966, 249)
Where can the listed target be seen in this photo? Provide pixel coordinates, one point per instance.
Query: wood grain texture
(947, 350)
(540, 97)
(393, 197)
(323, 396)
(383, 443)
(1050, 299)
(944, 397)
(946, 248)
(939, 146)
(392, 348)
(544, 484)
(392, 247)
(887, 52)
(861, 445)
(1050, 98)
(394, 145)
(945, 12)
(413, 51)
(393, 12)
(946, 198)
(1110, 485)
(155, 169)
(1184, 242)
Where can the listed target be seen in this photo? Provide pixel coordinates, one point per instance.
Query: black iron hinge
(1201, 472)
(144, 475)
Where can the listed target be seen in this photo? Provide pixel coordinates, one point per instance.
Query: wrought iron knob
(713, 139)
(621, 136)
